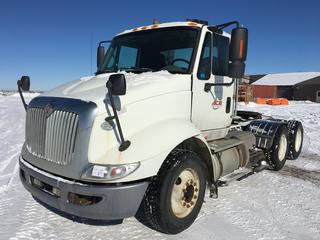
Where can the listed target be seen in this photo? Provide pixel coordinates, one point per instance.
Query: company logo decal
(217, 103)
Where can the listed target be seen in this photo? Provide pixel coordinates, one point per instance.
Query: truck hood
(139, 87)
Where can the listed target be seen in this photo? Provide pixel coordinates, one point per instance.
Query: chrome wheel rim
(298, 140)
(185, 193)
(282, 147)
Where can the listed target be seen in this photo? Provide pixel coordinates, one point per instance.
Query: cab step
(239, 175)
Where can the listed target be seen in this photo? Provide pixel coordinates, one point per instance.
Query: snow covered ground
(266, 205)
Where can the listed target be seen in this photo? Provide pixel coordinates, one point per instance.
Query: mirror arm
(207, 86)
(124, 143)
(218, 28)
(21, 96)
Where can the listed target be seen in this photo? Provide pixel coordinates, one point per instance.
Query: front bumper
(110, 202)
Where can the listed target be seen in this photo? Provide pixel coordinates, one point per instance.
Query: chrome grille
(51, 138)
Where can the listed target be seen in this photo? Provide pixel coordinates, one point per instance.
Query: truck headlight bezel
(96, 172)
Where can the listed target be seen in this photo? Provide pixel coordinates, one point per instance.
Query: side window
(204, 70)
(220, 55)
(110, 55)
(127, 57)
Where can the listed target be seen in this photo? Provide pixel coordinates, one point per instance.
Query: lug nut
(188, 205)
(196, 189)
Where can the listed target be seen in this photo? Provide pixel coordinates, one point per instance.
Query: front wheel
(175, 196)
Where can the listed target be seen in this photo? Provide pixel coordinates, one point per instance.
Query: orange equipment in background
(284, 101)
(261, 101)
(272, 101)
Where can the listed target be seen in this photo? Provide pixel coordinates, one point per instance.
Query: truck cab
(154, 128)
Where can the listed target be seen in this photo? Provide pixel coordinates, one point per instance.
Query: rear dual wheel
(278, 153)
(295, 130)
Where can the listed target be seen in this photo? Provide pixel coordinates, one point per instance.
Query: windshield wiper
(176, 72)
(136, 69)
(104, 71)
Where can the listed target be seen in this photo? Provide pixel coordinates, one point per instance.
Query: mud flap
(213, 190)
(264, 131)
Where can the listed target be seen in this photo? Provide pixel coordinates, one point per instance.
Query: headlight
(109, 172)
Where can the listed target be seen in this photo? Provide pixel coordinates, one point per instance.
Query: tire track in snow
(265, 218)
(9, 162)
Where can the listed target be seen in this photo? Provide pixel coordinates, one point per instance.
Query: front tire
(175, 196)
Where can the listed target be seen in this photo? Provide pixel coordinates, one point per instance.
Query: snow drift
(266, 205)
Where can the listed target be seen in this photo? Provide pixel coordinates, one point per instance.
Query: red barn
(293, 86)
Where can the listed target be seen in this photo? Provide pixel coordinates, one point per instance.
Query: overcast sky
(55, 41)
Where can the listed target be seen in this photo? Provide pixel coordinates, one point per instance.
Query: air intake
(51, 138)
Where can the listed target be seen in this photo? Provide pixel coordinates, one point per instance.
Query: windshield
(168, 49)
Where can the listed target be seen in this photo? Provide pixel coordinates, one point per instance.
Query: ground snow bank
(26, 95)
(266, 205)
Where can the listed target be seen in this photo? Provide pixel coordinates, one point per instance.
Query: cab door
(212, 110)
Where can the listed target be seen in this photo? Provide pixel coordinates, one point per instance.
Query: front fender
(149, 146)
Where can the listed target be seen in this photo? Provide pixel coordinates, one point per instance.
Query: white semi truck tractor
(154, 128)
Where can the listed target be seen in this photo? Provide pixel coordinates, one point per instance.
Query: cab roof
(162, 25)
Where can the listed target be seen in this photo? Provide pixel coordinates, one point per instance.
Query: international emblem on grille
(48, 110)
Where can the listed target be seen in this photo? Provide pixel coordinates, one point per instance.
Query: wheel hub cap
(282, 147)
(298, 140)
(185, 193)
